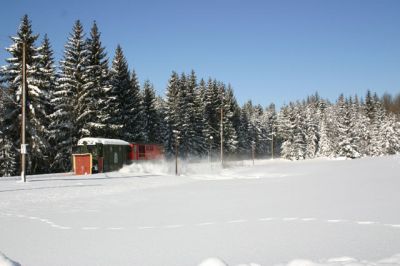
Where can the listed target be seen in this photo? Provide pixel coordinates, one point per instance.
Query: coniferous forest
(87, 93)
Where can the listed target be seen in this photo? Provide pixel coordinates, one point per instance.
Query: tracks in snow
(201, 224)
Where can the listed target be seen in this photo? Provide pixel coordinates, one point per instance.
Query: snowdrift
(342, 261)
(4, 261)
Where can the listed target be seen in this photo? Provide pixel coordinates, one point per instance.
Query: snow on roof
(93, 141)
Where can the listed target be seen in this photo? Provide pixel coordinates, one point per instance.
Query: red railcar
(97, 155)
(140, 151)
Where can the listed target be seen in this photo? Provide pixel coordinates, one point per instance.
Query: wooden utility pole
(23, 104)
(209, 152)
(176, 156)
(253, 149)
(272, 143)
(222, 129)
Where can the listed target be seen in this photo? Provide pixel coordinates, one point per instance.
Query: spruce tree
(230, 137)
(325, 144)
(389, 140)
(151, 128)
(286, 131)
(311, 130)
(194, 117)
(132, 104)
(361, 124)
(93, 112)
(271, 124)
(172, 132)
(212, 110)
(11, 76)
(292, 132)
(325, 131)
(345, 129)
(6, 165)
(234, 109)
(252, 137)
(47, 72)
(200, 143)
(67, 98)
(299, 132)
(244, 142)
(161, 109)
(117, 113)
(378, 139)
(184, 111)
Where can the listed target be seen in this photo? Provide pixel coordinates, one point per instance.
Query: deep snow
(316, 212)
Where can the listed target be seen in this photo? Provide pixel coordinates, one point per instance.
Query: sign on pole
(23, 149)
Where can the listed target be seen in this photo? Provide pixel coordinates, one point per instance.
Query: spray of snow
(167, 167)
(160, 167)
(202, 169)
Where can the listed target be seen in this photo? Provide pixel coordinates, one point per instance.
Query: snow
(213, 262)
(318, 212)
(93, 141)
(346, 261)
(4, 261)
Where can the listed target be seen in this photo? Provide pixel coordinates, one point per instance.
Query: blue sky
(269, 51)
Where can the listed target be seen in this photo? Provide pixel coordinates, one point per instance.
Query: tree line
(86, 95)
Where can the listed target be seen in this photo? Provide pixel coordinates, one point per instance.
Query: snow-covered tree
(69, 92)
(161, 109)
(270, 121)
(229, 132)
(244, 141)
(7, 166)
(311, 130)
(200, 143)
(116, 113)
(284, 131)
(212, 103)
(347, 144)
(197, 144)
(47, 83)
(325, 130)
(389, 141)
(172, 114)
(92, 110)
(37, 100)
(151, 121)
(291, 131)
(299, 144)
(184, 116)
(132, 128)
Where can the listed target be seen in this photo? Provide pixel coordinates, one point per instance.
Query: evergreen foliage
(132, 125)
(172, 130)
(92, 114)
(66, 119)
(37, 97)
(86, 98)
(120, 83)
(151, 120)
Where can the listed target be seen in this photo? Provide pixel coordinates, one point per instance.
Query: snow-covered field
(306, 213)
